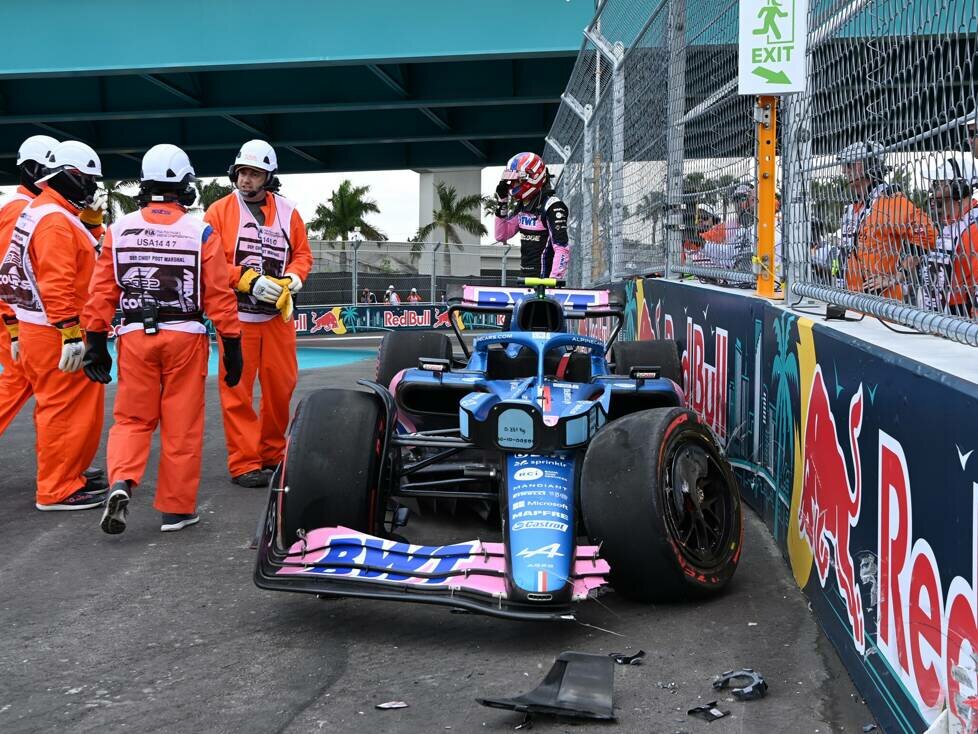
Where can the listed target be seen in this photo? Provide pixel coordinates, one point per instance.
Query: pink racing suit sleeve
(506, 229)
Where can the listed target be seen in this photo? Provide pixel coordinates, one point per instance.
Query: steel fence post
(434, 269)
(617, 160)
(675, 131)
(354, 279)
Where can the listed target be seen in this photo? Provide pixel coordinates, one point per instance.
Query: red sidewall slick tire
(332, 467)
(629, 507)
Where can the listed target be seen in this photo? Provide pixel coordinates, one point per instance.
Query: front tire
(663, 503)
(333, 463)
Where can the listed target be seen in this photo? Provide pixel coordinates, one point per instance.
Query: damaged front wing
(470, 575)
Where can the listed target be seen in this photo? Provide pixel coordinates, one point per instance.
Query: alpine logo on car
(528, 474)
(549, 551)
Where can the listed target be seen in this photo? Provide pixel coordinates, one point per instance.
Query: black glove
(233, 363)
(97, 362)
(502, 190)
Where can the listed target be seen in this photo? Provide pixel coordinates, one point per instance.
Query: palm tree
(119, 203)
(347, 207)
(726, 184)
(785, 376)
(343, 214)
(210, 192)
(452, 213)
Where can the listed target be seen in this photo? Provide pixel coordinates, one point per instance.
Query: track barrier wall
(860, 462)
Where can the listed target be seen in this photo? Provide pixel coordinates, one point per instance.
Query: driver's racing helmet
(526, 174)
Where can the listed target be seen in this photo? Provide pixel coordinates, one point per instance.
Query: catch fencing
(659, 156)
(342, 270)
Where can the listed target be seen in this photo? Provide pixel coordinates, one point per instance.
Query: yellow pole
(767, 133)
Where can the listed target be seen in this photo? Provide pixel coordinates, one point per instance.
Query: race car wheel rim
(698, 508)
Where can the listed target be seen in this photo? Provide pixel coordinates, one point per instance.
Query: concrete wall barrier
(860, 462)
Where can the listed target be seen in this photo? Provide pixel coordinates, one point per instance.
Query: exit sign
(773, 42)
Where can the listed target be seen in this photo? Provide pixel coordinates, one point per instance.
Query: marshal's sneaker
(116, 509)
(82, 499)
(253, 478)
(174, 521)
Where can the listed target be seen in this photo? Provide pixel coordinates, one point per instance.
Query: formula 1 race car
(592, 468)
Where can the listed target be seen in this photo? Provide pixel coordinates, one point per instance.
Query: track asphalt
(153, 632)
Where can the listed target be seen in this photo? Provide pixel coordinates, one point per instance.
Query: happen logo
(528, 474)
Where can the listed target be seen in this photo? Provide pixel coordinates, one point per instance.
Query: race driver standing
(44, 275)
(163, 268)
(268, 253)
(525, 203)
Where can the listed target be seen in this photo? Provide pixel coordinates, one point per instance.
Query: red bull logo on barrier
(830, 502)
(706, 384)
(929, 639)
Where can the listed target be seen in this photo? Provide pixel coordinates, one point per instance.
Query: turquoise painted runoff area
(309, 358)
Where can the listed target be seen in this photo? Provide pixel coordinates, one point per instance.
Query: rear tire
(663, 544)
(333, 463)
(401, 350)
(661, 353)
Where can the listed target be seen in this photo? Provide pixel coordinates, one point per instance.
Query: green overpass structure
(333, 86)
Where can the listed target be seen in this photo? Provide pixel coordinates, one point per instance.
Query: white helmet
(708, 210)
(166, 163)
(256, 154)
(77, 155)
(956, 167)
(36, 148)
(73, 158)
(959, 169)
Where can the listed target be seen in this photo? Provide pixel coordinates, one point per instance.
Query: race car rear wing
(578, 304)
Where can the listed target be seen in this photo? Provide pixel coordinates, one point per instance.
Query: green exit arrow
(772, 77)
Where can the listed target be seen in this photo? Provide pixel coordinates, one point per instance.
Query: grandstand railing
(658, 154)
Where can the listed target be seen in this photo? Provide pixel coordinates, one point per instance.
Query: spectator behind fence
(733, 243)
(884, 236)
(948, 273)
(706, 219)
(413, 297)
(391, 296)
(367, 296)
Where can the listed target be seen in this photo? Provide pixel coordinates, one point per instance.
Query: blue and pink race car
(592, 471)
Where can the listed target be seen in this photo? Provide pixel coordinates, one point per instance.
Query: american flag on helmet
(527, 172)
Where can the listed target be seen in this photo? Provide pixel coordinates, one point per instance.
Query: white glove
(71, 356)
(266, 290)
(15, 350)
(100, 200)
(295, 283)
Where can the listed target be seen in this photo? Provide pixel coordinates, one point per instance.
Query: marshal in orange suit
(269, 258)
